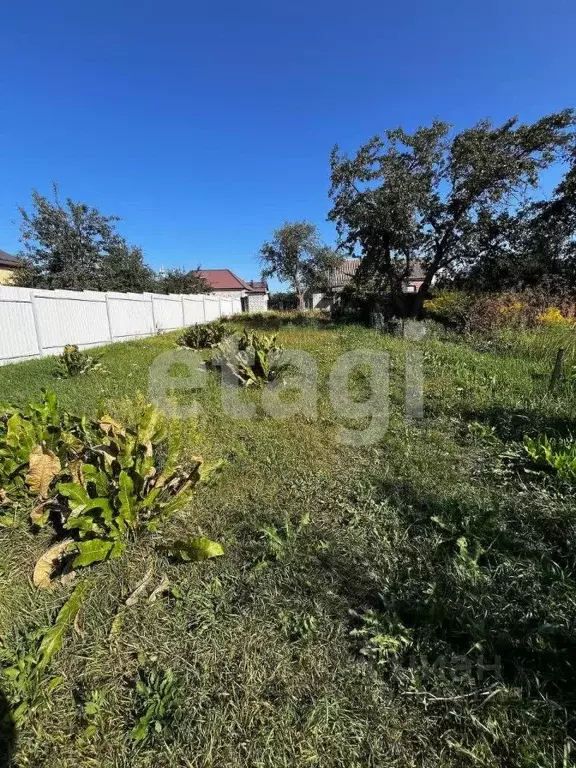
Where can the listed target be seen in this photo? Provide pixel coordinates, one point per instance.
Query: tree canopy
(438, 198)
(297, 256)
(71, 245)
(181, 281)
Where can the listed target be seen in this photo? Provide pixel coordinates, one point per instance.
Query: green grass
(435, 542)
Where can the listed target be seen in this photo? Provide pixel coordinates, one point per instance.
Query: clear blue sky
(205, 126)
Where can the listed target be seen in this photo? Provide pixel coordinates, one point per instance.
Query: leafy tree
(296, 255)
(429, 196)
(533, 247)
(181, 281)
(74, 246)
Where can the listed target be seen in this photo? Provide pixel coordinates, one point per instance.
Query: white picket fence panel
(35, 323)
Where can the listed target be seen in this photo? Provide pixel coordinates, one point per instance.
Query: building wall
(257, 302)
(228, 294)
(5, 275)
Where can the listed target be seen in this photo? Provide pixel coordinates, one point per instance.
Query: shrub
(74, 362)
(489, 312)
(204, 335)
(450, 308)
(253, 358)
(97, 482)
(553, 316)
(41, 430)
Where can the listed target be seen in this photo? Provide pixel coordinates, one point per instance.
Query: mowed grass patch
(356, 581)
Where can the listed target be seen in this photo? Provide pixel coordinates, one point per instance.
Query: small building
(346, 270)
(8, 264)
(252, 294)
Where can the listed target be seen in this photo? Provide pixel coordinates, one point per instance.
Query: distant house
(342, 275)
(8, 264)
(253, 295)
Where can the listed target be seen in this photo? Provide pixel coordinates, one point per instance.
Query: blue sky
(206, 126)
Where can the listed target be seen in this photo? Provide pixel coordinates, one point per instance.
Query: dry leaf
(133, 599)
(109, 425)
(160, 589)
(39, 515)
(75, 469)
(47, 563)
(44, 465)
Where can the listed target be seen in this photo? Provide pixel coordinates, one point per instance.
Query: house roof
(346, 270)
(226, 280)
(6, 260)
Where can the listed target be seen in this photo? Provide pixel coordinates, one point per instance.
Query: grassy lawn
(409, 603)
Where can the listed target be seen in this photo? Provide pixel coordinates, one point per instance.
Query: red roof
(226, 280)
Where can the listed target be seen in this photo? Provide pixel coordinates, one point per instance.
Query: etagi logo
(177, 374)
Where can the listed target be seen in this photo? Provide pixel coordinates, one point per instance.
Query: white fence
(35, 323)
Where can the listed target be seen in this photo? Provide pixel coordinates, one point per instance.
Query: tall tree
(426, 196)
(74, 246)
(297, 256)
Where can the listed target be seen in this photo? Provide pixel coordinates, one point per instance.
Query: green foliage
(121, 487)
(76, 247)
(25, 672)
(281, 540)
(101, 482)
(432, 197)
(556, 455)
(22, 431)
(181, 281)
(204, 335)
(192, 550)
(275, 320)
(155, 695)
(74, 362)
(254, 359)
(282, 300)
(296, 255)
(381, 638)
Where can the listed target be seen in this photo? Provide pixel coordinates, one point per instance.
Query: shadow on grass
(7, 733)
(513, 424)
(472, 573)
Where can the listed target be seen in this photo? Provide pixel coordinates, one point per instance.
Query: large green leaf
(193, 550)
(76, 494)
(92, 551)
(53, 639)
(128, 501)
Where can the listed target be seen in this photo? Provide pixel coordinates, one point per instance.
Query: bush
(450, 308)
(204, 335)
(253, 358)
(489, 312)
(74, 362)
(98, 483)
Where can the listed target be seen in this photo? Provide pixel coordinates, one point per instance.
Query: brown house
(8, 264)
(252, 294)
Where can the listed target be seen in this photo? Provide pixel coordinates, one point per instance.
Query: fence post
(204, 308)
(557, 371)
(36, 323)
(183, 310)
(153, 314)
(108, 316)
